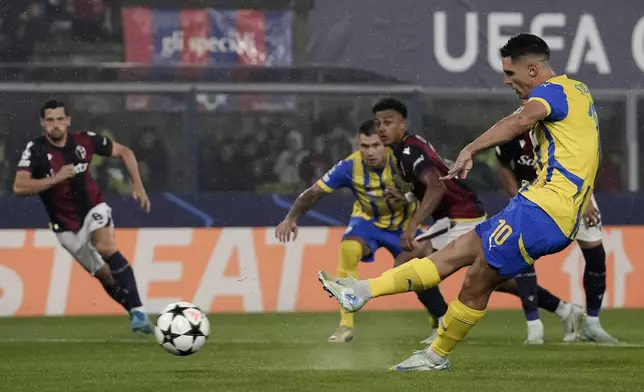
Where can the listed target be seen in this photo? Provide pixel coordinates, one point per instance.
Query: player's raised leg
(415, 275)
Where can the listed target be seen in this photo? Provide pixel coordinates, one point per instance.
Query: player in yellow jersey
(543, 218)
(378, 220)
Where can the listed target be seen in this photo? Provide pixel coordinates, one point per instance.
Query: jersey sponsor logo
(527, 160)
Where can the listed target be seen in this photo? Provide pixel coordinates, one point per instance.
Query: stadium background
(233, 107)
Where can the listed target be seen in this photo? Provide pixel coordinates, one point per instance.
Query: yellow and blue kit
(545, 216)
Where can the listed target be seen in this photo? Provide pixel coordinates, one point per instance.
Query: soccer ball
(182, 328)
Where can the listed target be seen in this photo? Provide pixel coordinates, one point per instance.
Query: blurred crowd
(25, 23)
(246, 151)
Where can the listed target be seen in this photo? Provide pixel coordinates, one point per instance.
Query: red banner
(247, 270)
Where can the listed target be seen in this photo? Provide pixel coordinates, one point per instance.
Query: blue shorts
(517, 236)
(374, 237)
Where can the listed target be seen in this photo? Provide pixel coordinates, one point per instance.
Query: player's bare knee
(103, 241)
(105, 248)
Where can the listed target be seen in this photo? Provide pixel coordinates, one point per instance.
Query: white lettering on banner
(242, 44)
(587, 46)
(637, 44)
(574, 267)
(292, 266)
(468, 58)
(146, 270)
(215, 282)
(11, 286)
(61, 272)
(587, 33)
(495, 39)
(543, 21)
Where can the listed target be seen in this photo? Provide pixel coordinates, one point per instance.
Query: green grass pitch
(289, 352)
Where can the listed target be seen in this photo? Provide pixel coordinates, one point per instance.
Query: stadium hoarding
(246, 269)
(457, 42)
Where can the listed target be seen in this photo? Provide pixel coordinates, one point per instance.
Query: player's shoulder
(560, 85)
(412, 143)
(82, 135)
(347, 163)
(38, 143)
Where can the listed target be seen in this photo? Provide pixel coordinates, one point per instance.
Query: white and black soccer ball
(182, 328)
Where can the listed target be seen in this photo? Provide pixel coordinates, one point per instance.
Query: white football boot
(535, 332)
(343, 290)
(421, 361)
(592, 331)
(571, 323)
(342, 334)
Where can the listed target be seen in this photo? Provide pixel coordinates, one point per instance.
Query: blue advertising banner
(251, 210)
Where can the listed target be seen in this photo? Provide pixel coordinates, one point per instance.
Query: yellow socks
(457, 322)
(415, 275)
(350, 255)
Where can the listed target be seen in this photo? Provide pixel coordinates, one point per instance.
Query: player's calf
(123, 276)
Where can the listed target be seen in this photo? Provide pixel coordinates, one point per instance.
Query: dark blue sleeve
(340, 176)
(554, 97)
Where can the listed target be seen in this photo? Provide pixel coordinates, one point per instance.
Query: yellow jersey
(368, 185)
(566, 147)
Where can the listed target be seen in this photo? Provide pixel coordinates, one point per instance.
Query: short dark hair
(390, 104)
(52, 104)
(523, 44)
(367, 128)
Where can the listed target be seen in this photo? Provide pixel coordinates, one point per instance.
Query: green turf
(289, 353)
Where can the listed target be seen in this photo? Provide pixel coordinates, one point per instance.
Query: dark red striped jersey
(415, 156)
(518, 156)
(67, 203)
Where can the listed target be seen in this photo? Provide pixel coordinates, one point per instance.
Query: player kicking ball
(516, 165)
(56, 167)
(378, 220)
(455, 208)
(542, 219)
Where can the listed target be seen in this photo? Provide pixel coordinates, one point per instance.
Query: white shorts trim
(446, 230)
(79, 244)
(590, 234)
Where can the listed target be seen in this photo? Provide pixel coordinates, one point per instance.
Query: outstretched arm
(510, 127)
(339, 176)
(501, 132)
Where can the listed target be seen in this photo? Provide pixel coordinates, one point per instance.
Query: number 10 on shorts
(501, 233)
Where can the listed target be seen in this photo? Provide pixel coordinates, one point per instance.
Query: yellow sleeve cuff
(544, 102)
(324, 186)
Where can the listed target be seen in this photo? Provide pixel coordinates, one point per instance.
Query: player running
(56, 167)
(542, 219)
(517, 162)
(377, 221)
